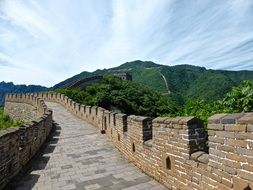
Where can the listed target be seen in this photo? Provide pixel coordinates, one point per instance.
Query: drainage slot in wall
(133, 147)
(168, 163)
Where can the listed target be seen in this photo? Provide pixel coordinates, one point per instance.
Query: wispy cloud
(45, 42)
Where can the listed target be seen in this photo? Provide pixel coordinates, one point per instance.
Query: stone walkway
(79, 157)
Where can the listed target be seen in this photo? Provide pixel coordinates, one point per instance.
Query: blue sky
(46, 41)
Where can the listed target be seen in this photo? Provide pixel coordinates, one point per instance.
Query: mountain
(9, 87)
(182, 81)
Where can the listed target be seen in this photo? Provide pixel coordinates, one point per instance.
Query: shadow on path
(77, 156)
(25, 178)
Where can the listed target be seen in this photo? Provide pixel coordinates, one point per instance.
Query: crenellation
(139, 128)
(99, 119)
(107, 122)
(121, 120)
(18, 145)
(172, 150)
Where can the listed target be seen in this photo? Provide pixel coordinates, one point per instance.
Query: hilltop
(183, 81)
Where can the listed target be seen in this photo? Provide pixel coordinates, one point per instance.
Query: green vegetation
(124, 96)
(132, 98)
(6, 122)
(184, 81)
(195, 91)
(239, 99)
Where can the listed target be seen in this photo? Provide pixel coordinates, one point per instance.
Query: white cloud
(45, 42)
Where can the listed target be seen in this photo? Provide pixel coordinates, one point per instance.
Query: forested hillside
(132, 98)
(184, 81)
(124, 96)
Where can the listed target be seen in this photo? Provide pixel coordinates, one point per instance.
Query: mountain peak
(138, 64)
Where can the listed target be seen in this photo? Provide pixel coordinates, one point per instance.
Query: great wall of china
(171, 150)
(19, 145)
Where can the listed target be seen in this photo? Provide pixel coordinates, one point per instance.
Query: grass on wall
(6, 121)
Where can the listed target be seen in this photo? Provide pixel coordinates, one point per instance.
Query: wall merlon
(101, 109)
(121, 120)
(139, 128)
(216, 119)
(139, 118)
(158, 120)
(170, 149)
(231, 118)
(247, 118)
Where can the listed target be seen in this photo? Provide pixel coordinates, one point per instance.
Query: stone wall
(21, 111)
(84, 82)
(171, 150)
(18, 145)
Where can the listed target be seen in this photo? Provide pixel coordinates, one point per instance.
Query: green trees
(239, 99)
(132, 98)
(124, 96)
(5, 121)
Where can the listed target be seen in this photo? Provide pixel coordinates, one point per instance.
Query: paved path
(79, 157)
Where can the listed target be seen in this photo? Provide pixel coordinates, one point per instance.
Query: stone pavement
(79, 157)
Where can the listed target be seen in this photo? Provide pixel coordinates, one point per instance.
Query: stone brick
(216, 152)
(231, 163)
(195, 155)
(231, 170)
(249, 128)
(204, 158)
(225, 134)
(241, 135)
(216, 139)
(245, 175)
(227, 148)
(235, 127)
(236, 143)
(248, 167)
(246, 119)
(227, 183)
(231, 118)
(236, 157)
(244, 151)
(214, 126)
(213, 176)
(222, 174)
(250, 160)
(215, 119)
(211, 133)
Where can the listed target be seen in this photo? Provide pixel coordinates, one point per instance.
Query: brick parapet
(18, 145)
(172, 150)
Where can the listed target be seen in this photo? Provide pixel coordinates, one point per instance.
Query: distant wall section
(21, 111)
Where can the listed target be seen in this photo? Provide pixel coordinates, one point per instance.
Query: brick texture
(172, 150)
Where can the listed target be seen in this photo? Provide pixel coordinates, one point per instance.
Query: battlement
(173, 150)
(19, 144)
